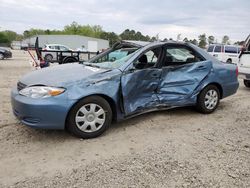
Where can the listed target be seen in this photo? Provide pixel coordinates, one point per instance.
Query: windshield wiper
(91, 65)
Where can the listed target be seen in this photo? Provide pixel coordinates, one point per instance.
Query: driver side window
(148, 59)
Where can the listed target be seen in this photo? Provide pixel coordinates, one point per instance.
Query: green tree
(202, 41)
(72, 29)
(4, 38)
(11, 35)
(241, 43)
(194, 41)
(133, 35)
(225, 39)
(185, 39)
(211, 39)
(153, 39)
(110, 36)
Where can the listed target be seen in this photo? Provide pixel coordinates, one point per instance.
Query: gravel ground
(174, 148)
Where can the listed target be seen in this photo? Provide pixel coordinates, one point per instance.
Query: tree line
(96, 31)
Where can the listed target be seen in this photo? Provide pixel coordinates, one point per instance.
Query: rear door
(181, 74)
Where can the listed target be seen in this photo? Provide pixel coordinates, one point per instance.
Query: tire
(1, 56)
(208, 99)
(69, 60)
(89, 118)
(247, 83)
(48, 57)
(229, 61)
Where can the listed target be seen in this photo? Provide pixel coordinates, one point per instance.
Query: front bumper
(48, 113)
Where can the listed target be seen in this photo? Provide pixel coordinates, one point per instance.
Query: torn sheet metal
(178, 83)
(139, 89)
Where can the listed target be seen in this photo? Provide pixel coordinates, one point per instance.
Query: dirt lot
(176, 148)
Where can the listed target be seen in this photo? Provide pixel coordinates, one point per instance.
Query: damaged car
(85, 98)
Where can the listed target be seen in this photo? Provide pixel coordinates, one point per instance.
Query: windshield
(111, 64)
(113, 59)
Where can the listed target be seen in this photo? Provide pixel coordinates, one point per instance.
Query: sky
(167, 18)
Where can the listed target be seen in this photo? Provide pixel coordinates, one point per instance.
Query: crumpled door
(179, 82)
(139, 89)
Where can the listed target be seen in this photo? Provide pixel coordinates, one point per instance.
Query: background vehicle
(117, 51)
(50, 56)
(225, 53)
(244, 63)
(4, 53)
(82, 49)
(85, 98)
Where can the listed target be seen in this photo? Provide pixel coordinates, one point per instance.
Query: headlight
(41, 91)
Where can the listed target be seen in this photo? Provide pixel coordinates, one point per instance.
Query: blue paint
(132, 90)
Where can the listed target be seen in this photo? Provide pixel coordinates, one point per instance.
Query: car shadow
(150, 115)
(63, 135)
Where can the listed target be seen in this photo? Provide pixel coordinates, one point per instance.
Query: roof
(139, 43)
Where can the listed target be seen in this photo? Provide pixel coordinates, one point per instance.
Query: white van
(225, 53)
(244, 63)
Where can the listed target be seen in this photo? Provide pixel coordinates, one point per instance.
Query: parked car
(50, 56)
(244, 63)
(4, 53)
(86, 98)
(225, 53)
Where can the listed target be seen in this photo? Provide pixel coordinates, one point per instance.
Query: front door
(139, 85)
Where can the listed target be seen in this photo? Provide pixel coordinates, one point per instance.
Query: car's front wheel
(90, 117)
(247, 83)
(208, 99)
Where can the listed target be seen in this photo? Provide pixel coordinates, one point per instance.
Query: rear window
(210, 49)
(217, 49)
(231, 49)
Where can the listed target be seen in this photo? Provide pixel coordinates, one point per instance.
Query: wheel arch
(218, 86)
(67, 58)
(106, 97)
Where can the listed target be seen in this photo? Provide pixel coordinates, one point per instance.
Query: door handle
(154, 75)
(201, 67)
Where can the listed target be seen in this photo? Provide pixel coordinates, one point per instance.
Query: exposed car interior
(148, 59)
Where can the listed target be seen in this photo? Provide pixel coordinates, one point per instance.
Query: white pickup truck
(244, 63)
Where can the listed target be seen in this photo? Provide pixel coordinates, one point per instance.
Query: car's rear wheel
(90, 117)
(208, 99)
(1, 56)
(48, 57)
(247, 83)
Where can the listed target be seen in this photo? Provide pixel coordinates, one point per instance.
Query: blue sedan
(85, 98)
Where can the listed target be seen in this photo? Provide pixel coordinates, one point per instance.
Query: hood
(62, 75)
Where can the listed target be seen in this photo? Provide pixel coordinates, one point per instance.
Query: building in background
(72, 41)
